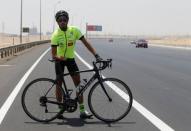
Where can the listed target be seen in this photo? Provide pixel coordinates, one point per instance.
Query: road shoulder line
(7, 104)
(141, 109)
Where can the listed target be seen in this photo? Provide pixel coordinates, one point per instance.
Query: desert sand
(174, 41)
(6, 41)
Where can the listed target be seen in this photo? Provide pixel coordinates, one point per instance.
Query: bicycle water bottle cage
(70, 91)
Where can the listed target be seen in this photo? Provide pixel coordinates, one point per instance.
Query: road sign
(26, 29)
(94, 28)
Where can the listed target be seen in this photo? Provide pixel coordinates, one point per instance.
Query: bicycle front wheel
(35, 99)
(114, 103)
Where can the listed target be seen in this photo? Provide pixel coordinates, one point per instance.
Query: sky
(121, 17)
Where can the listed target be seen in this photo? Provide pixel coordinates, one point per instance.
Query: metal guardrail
(10, 51)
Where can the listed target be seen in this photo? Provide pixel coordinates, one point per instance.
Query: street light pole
(40, 19)
(21, 22)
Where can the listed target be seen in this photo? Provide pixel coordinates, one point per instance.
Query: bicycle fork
(100, 79)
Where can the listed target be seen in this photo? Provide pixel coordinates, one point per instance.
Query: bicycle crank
(71, 105)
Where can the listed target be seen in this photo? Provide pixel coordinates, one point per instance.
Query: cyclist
(63, 42)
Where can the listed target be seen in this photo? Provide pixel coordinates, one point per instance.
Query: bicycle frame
(90, 81)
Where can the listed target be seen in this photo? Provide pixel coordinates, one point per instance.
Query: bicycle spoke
(35, 97)
(117, 108)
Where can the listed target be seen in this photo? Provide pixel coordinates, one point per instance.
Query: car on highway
(133, 42)
(141, 43)
(110, 40)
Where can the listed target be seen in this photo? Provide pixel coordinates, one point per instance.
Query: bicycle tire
(100, 106)
(31, 100)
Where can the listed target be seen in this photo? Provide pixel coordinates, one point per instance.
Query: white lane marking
(118, 91)
(4, 109)
(145, 112)
(175, 47)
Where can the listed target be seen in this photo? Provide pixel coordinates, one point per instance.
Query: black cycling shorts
(70, 64)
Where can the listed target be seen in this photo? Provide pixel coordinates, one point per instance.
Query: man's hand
(98, 58)
(61, 58)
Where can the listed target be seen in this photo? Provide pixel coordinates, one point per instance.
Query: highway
(159, 78)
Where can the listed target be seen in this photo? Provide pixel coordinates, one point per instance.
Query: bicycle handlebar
(102, 63)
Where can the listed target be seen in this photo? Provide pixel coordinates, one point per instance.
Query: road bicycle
(109, 99)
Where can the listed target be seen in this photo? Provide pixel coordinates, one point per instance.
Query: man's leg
(83, 113)
(76, 80)
(59, 68)
(59, 97)
(72, 68)
(58, 91)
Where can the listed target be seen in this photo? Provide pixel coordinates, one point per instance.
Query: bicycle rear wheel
(110, 110)
(35, 97)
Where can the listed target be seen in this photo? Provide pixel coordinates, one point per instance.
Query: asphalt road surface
(159, 77)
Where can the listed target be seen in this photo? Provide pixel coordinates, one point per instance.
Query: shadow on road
(77, 122)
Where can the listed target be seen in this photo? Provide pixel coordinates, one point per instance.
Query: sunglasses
(62, 19)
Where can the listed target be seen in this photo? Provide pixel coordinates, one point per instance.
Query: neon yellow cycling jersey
(65, 41)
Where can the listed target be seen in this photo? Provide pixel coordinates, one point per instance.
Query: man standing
(63, 46)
